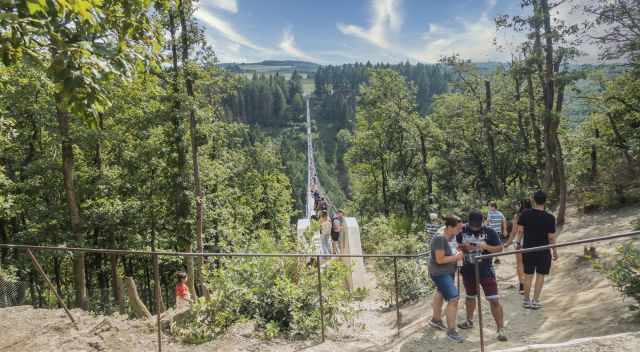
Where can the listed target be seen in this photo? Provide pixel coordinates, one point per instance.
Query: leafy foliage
(625, 272)
(280, 294)
(392, 235)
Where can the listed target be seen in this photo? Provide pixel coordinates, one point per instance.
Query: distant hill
(283, 66)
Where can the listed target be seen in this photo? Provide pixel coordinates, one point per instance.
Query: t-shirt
(182, 291)
(440, 243)
(337, 225)
(538, 224)
(485, 234)
(494, 219)
(432, 229)
(325, 227)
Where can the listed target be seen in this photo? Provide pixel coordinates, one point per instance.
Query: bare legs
(452, 309)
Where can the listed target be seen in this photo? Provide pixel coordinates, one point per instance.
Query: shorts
(489, 286)
(446, 286)
(538, 262)
(335, 236)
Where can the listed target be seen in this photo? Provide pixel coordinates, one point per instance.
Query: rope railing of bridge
(313, 182)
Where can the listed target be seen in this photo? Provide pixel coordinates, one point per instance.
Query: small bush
(625, 273)
(8, 273)
(280, 294)
(384, 235)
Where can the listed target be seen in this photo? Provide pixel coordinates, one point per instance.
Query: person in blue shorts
(442, 268)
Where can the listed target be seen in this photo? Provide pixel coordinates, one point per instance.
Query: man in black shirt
(539, 229)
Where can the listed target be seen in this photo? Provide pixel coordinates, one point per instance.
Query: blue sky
(342, 31)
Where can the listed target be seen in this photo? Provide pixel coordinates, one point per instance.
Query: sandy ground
(579, 303)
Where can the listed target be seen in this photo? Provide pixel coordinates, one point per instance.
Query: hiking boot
(438, 324)
(526, 303)
(501, 335)
(467, 324)
(536, 305)
(454, 336)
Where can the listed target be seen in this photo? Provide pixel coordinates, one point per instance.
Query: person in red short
(183, 297)
(476, 239)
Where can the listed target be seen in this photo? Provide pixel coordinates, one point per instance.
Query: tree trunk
(561, 178)
(72, 204)
(548, 92)
(138, 307)
(194, 148)
(486, 119)
(425, 168)
(535, 125)
(183, 231)
(621, 143)
(385, 200)
(594, 156)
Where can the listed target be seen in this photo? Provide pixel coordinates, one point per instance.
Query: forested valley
(119, 129)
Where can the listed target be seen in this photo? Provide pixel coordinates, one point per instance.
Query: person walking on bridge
(442, 268)
(336, 230)
(539, 229)
(325, 233)
(476, 239)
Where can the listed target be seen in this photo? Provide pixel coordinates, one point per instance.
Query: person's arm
(441, 258)
(552, 240)
(514, 231)
(491, 248)
(492, 244)
(504, 226)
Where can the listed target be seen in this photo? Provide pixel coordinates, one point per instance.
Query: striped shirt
(494, 220)
(432, 230)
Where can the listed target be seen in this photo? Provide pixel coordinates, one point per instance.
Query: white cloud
(225, 29)
(288, 45)
(474, 40)
(227, 5)
(386, 17)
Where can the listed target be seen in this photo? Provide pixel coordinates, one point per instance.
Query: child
(183, 297)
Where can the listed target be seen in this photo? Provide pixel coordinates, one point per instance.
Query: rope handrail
(205, 254)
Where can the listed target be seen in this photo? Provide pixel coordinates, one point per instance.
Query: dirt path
(579, 302)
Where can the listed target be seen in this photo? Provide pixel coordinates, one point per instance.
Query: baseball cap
(475, 219)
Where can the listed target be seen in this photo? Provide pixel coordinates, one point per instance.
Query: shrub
(280, 294)
(625, 273)
(8, 273)
(384, 235)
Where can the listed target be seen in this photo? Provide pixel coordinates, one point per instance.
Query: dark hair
(493, 204)
(523, 205)
(451, 220)
(540, 197)
(475, 218)
(314, 217)
(181, 275)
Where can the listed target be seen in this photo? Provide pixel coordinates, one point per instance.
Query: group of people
(454, 248)
(319, 203)
(330, 230)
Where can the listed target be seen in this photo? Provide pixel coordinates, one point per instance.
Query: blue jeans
(325, 243)
(446, 286)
